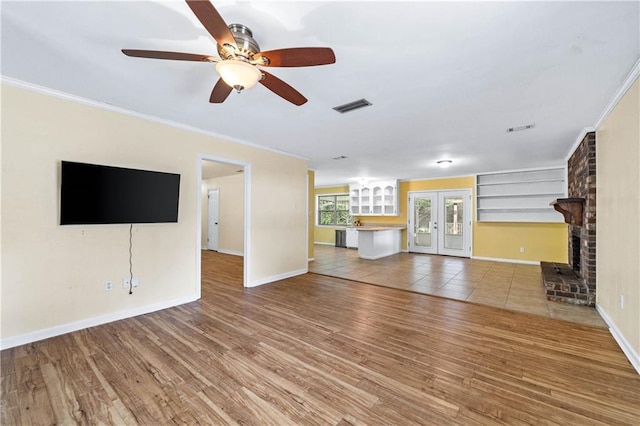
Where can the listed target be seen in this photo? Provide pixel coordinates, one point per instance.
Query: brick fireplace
(576, 283)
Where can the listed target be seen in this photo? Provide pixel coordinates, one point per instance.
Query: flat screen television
(92, 194)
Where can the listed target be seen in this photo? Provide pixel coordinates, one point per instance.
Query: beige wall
(230, 213)
(542, 241)
(618, 216)
(54, 275)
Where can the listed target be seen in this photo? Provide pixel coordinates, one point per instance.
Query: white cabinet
(378, 198)
(352, 238)
(520, 196)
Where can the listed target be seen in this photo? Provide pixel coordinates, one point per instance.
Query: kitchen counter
(375, 242)
(376, 228)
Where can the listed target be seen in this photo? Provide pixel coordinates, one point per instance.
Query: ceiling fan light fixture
(238, 74)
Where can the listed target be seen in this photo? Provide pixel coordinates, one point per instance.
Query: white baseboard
(279, 277)
(324, 244)
(499, 259)
(204, 248)
(34, 336)
(231, 252)
(631, 354)
(311, 259)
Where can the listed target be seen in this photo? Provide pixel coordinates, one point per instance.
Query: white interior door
(440, 222)
(213, 212)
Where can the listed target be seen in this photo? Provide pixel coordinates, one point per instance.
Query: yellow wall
(618, 217)
(326, 234)
(542, 241)
(54, 275)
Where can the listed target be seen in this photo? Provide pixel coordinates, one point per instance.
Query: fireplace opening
(575, 249)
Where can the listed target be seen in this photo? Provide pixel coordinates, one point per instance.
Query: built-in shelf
(378, 198)
(522, 181)
(571, 209)
(521, 196)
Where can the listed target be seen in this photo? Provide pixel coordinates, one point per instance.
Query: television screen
(95, 194)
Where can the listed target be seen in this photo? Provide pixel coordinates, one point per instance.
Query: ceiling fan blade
(298, 57)
(220, 92)
(178, 56)
(212, 21)
(282, 89)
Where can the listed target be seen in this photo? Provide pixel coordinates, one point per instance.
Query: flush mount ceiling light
(444, 163)
(238, 74)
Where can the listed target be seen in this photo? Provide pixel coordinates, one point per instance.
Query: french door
(440, 222)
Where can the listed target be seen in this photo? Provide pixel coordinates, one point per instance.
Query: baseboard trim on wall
(231, 252)
(499, 259)
(311, 259)
(627, 349)
(323, 244)
(279, 277)
(34, 336)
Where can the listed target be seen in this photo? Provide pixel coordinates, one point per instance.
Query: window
(333, 210)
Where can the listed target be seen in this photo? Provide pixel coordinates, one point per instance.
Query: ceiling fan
(240, 56)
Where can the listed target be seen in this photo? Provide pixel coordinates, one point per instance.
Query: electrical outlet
(521, 249)
(136, 281)
(125, 283)
(621, 301)
(108, 285)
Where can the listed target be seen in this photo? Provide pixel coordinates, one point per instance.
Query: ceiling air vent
(521, 128)
(360, 103)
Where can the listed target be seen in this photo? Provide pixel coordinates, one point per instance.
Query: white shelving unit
(377, 198)
(521, 196)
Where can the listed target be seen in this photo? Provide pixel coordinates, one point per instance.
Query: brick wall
(581, 171)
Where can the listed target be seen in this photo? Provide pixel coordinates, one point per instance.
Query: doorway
(231, 182)
(440, 222)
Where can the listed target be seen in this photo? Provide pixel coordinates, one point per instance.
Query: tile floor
(512, 286)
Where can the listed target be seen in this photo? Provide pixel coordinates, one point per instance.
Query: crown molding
(622, 90)
(112, 108)
(619, 94)
(578, 141)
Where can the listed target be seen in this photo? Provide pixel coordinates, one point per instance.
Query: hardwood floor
(321, 350)
(513, 286)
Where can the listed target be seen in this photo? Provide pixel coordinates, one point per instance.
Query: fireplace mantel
(571, 209)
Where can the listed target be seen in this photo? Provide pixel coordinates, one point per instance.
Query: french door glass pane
(454, 219)
(422, 214)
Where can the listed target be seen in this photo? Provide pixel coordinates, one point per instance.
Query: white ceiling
(446, 79)
(215, 169)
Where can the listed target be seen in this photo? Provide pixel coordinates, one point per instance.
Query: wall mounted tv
(93, 194)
